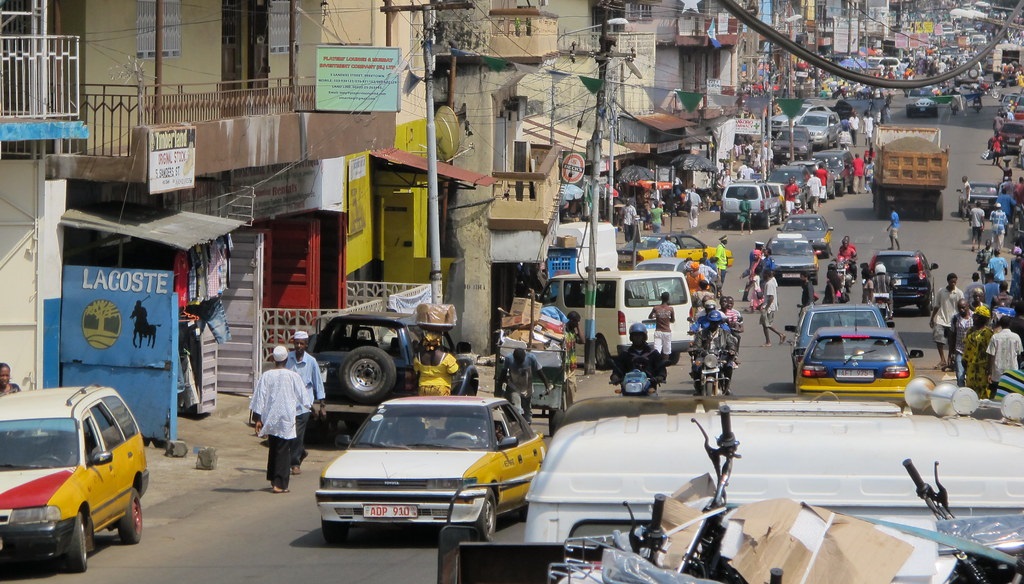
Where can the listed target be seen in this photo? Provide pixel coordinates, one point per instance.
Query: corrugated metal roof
(664, 122)
(179, 229)
(410, 160)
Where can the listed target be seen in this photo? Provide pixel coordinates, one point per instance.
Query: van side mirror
(916, 353)
(342, 441)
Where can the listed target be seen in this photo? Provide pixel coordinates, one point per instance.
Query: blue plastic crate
(561, 261)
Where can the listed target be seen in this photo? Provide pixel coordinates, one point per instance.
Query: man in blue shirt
(1006, 202)
(309, 370)
(894, 230)
(998, 266)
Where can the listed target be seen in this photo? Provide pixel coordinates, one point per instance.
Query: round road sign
(573, 167)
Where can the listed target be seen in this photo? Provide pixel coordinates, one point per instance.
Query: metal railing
(111, 111)
(39, 77)
(277, 325)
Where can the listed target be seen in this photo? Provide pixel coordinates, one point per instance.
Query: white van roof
(623, 274)
(846, 456)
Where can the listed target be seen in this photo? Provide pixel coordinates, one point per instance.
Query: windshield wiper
(379, 445)
(440, 446)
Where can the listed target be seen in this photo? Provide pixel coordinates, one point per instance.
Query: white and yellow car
(414, 456)
(72, 463)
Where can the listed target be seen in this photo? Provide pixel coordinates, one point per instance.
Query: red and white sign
(574, 168)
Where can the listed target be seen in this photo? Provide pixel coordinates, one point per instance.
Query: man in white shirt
(814, 189)
(745, 172)
(854, 127)
(869, 128)
(770, 307)
(278, 394)
(1005, 348)
(629, 217)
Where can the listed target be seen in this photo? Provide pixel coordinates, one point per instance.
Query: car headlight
(47, 514)
(338, 484)
(450, 484)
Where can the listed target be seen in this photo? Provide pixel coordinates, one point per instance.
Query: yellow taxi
(417, 459)
(856, 361)
(689, 246)
(72, 463)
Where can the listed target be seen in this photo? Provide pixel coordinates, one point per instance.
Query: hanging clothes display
(200, 277)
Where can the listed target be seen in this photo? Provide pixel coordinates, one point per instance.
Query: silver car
(824, 128)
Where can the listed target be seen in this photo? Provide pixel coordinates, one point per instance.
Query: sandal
(278, 491)
(766, 345)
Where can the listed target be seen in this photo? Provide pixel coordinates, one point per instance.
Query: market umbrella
(634, 173)
(693, 162)
(571, 192)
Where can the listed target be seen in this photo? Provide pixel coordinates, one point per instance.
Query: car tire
(487, 523)
(555, 421)
(76, 558)
(129, 527)
(602, 358)
(367, 375)
(766, 222)
(673, 358)
(814, 280)
(334, 532)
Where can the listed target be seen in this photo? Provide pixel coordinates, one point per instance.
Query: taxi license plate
(390, 511)
(899, 281)
(855, 374)
(791, 274)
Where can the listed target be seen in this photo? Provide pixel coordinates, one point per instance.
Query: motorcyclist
(882, 284)
(835, 285)
(715, 339)
(639, 355)
(700, 317)
(848, 254)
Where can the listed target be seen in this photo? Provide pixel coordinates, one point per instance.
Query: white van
(846, 456)
(607, 257)
(624, 298)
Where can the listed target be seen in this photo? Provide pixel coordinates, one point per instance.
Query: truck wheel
(938, 208)
(367, 375)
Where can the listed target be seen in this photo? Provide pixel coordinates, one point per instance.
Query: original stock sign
(573, 167)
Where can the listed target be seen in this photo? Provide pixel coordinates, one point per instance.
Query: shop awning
(179, 229)
(419, 163)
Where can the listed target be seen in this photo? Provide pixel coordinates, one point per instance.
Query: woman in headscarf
(434, 365)
(976, 352)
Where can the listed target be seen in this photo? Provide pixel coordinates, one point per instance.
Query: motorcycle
(881, 300)
(848, 268)
(711, 372)
(637, 383)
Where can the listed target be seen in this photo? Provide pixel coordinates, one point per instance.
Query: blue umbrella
(852, 63)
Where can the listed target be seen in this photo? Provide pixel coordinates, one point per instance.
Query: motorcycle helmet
(710, 305)
(715, 316)
(637, 327)
(880, 269)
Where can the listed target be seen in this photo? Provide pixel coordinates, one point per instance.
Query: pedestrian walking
(943, 310)
(998, 266)
(854, 127)
(976, 219)
(751, 273)
(790, 193)
(664, 317)
(976, 357)
(869, 128)
(629, 221)
(518, 380)
(278, 394)
(434, 366)
(1004, 350)
(807, 295)
(308, 370)
(960, 325)
(722, 260)
(769, 308)
(693, 200)
(814, 188)
(858, 174)
(656, 216)
(894, 230)
(744, 216)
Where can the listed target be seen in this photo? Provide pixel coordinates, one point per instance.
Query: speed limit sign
(573, 168)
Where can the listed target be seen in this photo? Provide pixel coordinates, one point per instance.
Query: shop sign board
(312, 185)
(119, 327)
(172, 158)
(573, 167)
(748, 126)
(714, 86)
(358, 79)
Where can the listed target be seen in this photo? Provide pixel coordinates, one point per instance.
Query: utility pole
(433, 212)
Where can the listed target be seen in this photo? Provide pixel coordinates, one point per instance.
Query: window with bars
(145, 24)
(279, 26)
(636, 11)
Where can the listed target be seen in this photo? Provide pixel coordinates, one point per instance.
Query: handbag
(987, 155)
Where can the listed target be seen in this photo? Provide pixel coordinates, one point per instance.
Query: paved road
(225, 527)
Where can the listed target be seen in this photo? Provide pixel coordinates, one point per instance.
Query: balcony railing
(696, 24)
(527, 200)
(111, 111)
(39, 77)
(523, 32)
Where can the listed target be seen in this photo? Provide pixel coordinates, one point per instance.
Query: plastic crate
(561, 261)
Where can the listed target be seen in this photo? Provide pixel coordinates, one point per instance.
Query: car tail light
(622, 323)
(920, 270)
(896, 372)
(813, 371)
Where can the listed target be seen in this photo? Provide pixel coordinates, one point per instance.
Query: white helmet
(880, 269)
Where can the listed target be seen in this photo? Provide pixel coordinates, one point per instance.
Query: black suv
(367, 358)
(912, 278)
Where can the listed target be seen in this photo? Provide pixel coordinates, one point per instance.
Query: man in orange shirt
(858, 174)
(790, 192)
(822, 173)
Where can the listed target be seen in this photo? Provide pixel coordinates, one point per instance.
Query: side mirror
(508, 442)
(830, 228)
(916, 353)
(934, 266)
(342, 441)
(790, 328)
(101, 457)
(890, 323)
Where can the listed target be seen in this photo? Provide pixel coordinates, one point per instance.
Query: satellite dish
(449, 137)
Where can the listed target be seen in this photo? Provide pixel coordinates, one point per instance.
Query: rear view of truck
(911, 171)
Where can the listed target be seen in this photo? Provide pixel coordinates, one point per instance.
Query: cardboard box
(515, 321)
(566, 241)
(550, 334)
(527, 307)
(524, 335)
(551, 324)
